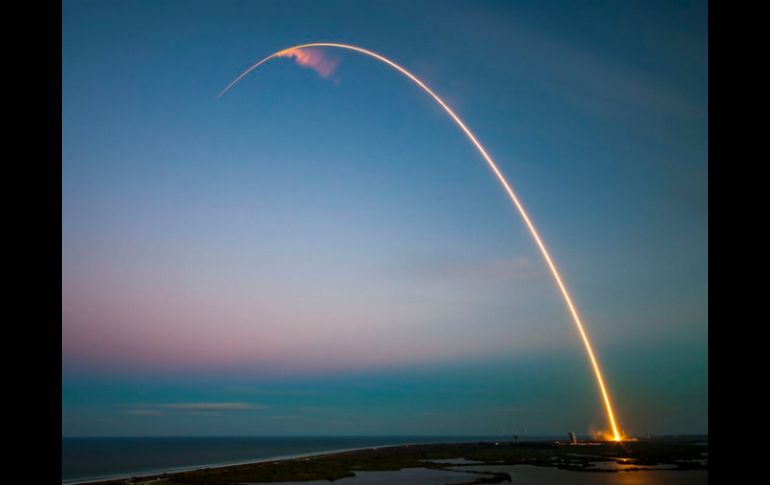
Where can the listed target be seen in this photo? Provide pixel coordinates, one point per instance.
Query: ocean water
(99, 458)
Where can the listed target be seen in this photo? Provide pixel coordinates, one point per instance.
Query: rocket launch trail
(295, 52)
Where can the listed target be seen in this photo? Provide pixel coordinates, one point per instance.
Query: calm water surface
(534, 475)
(407, 476)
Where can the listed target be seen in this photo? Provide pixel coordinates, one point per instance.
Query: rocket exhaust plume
(312, 58)
(303, 59)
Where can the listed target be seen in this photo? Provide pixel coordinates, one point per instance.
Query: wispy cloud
(211, 406)
(191, 408)
(314, 59)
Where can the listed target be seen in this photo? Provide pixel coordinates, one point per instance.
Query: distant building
(572, 438)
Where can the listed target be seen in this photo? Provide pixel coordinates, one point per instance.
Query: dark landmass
(679, 453)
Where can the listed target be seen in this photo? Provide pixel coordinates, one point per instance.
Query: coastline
(277, 458)
(346, 462)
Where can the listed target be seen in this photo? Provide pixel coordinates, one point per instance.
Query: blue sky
(331, 256)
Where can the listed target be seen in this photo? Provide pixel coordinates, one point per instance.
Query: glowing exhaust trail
(292, 52)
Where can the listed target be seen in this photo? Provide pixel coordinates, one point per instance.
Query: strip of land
(676, 453)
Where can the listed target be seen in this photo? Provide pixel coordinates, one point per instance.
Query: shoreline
(345, 462)
(123, 476)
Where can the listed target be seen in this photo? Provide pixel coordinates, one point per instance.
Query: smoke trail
(493, 166)
(312, 58)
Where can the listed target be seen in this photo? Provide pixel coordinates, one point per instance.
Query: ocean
(86, 459)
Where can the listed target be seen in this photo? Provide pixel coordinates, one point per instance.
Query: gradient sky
(325, 252)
